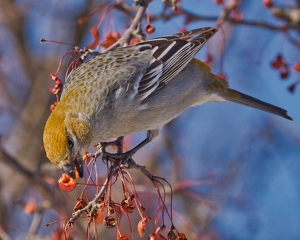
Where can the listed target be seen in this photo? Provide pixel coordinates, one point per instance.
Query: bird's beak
(74, 169)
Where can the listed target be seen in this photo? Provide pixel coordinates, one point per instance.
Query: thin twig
(130, 31)
(14, 164)
(92, 206)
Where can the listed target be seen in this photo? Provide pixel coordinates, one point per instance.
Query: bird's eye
(70, 143)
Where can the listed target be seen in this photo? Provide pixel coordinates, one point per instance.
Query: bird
(132, 89)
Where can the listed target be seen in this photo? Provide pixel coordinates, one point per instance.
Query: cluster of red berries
(280, 65)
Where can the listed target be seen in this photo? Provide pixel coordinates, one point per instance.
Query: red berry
(209, 59)
(66, 183)
(29, 208)
(268, 3)
(142, 225)
(238, 16)
(278, 62)
(149, 28)
(110, 39)
(222, 75)
(291, 88)
(285, 72)
(218, 1)
(134, 41)
(297, 67)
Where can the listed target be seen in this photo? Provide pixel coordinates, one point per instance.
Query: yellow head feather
(55, 140)
(61, 125)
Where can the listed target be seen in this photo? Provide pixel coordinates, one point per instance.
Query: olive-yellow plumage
(131, 89)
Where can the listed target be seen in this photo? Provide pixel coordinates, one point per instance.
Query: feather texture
(173, 53)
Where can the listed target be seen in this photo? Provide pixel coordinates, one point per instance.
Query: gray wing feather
(170, 55)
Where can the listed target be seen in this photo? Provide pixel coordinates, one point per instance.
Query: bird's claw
(117, 158)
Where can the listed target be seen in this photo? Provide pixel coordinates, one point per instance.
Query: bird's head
(66, 139)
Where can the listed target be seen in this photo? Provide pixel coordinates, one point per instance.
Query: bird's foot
(119, 157)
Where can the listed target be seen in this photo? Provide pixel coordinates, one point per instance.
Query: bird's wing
(170, 55)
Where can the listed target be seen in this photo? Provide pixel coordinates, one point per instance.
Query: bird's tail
(241, 98)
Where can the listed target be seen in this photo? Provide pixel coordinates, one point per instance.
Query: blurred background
(235, 171)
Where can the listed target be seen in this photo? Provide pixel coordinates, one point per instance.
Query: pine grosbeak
(132, 89)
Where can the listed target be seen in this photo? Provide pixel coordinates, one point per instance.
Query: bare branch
(133, 29)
